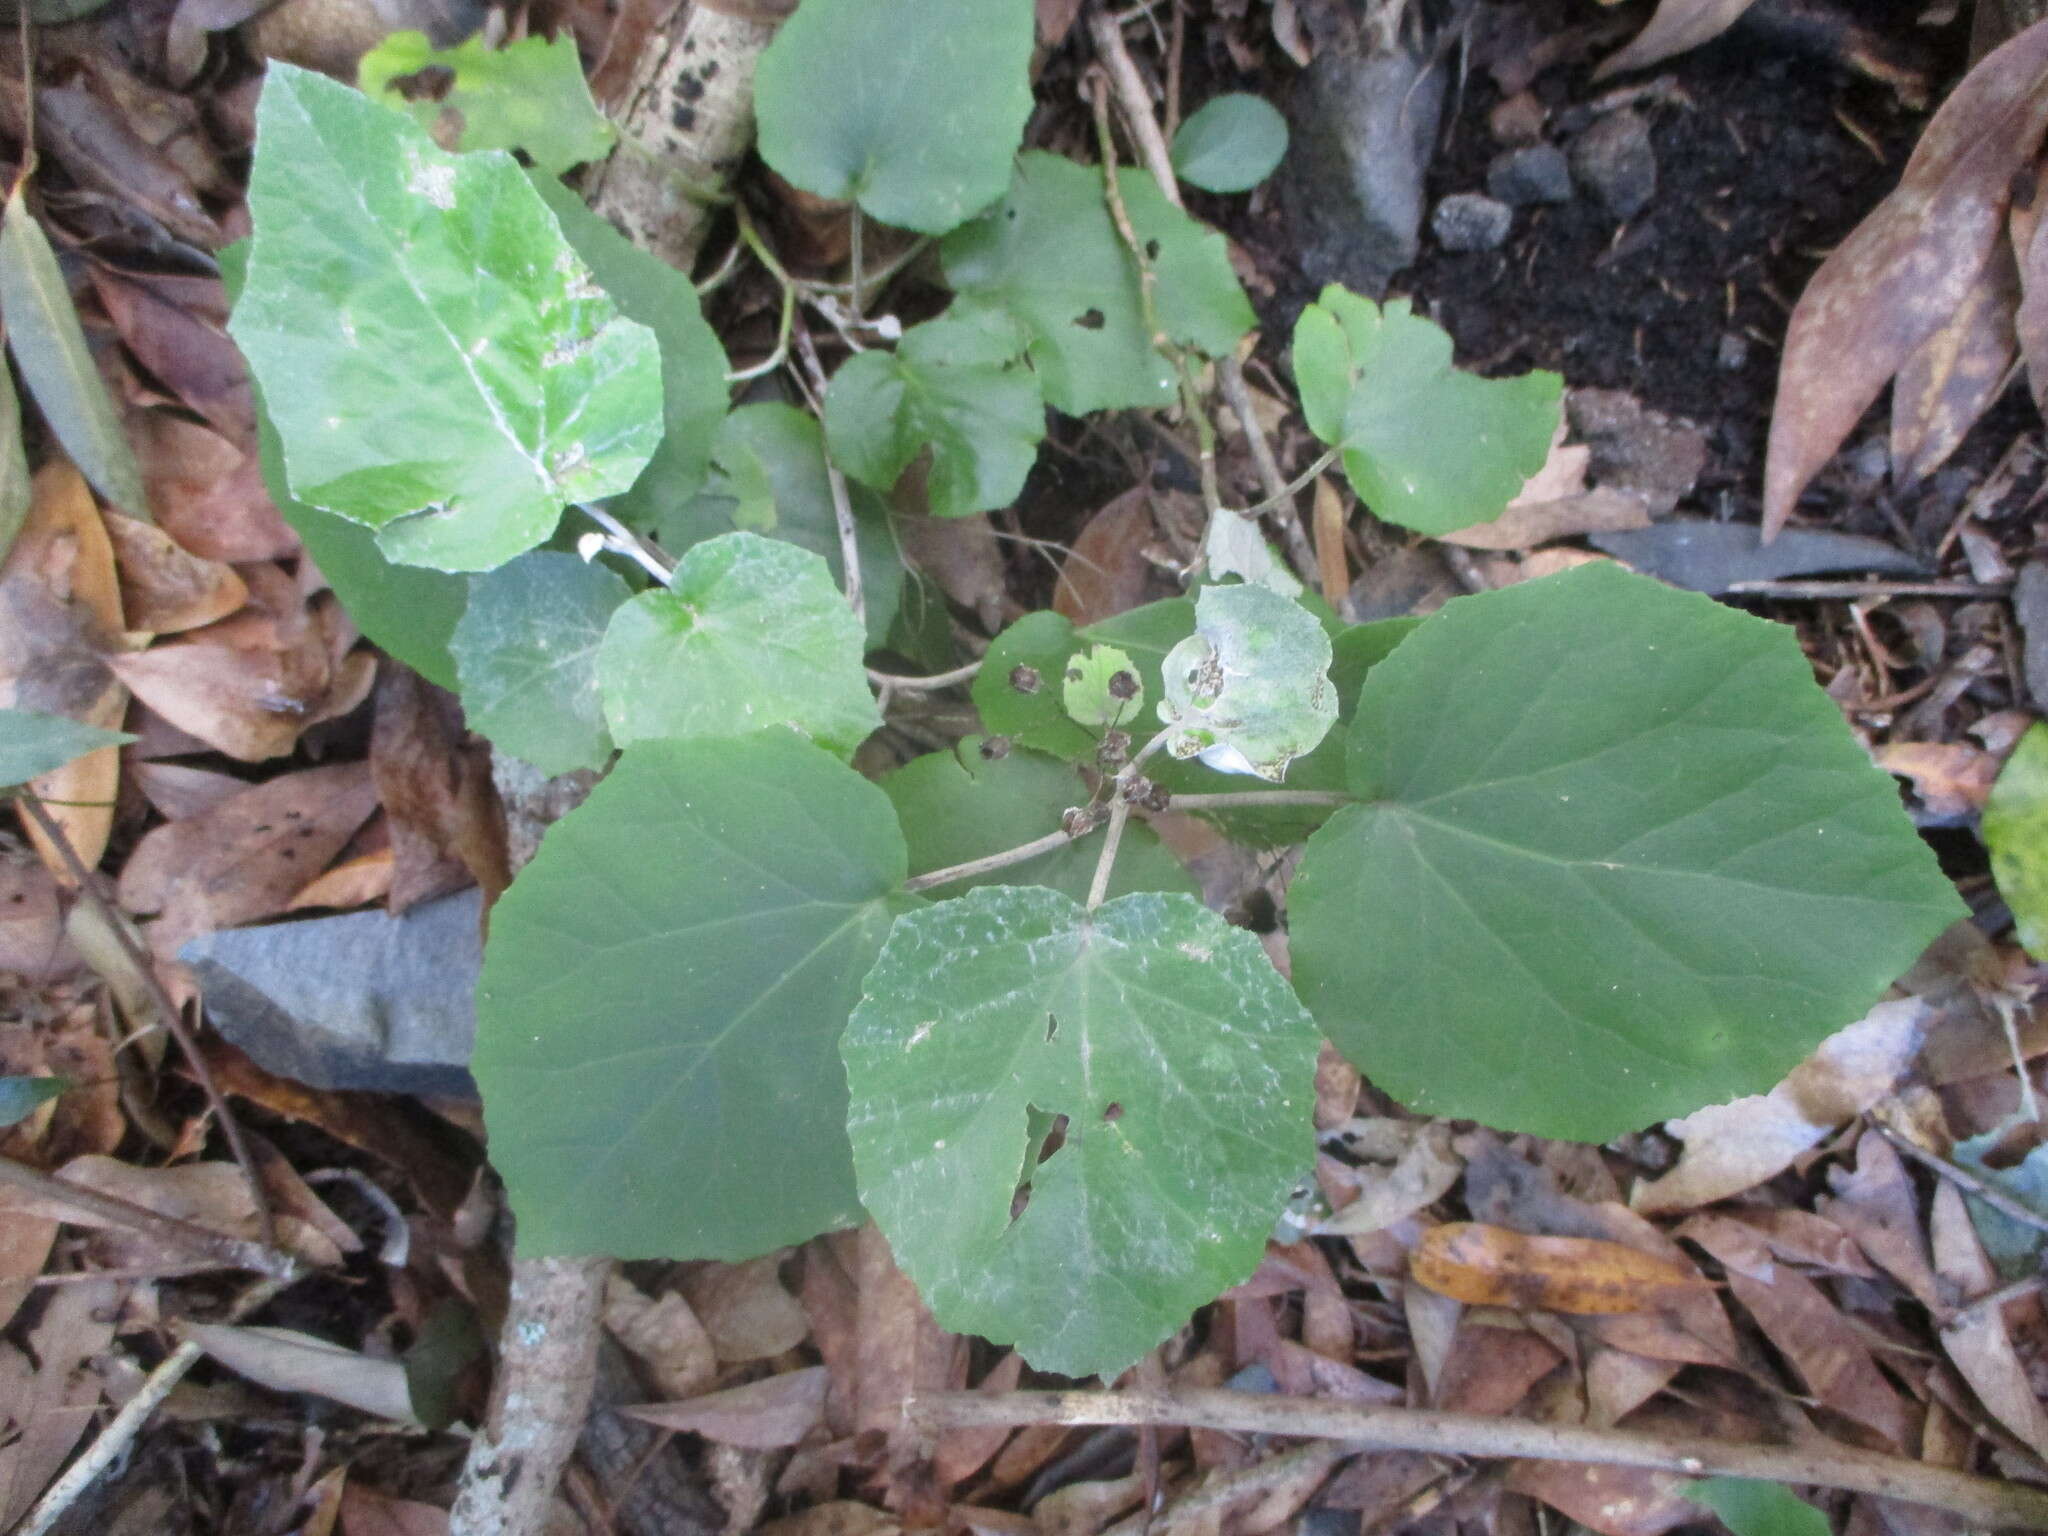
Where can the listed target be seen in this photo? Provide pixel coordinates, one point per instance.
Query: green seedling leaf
(1050, 255)
(1182, 1062)
(529, 95)
(652, 293)
(49, 346)
(2015, 827)
(1751, 1508)
(469, 378)
(20, 1097)
(2012, 1245)
(923, 112)
(15, 495)
(1621, 859)
(33, 743)
(1231, 143)
(526, 652)
(1425, 445)
(750, 633)
(1101, 689)
(656, 1035)
(953, 386)
(1249, 691)
(963, 805)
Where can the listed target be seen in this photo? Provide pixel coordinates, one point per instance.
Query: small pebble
(1537, 174)
(1614, 161)
(1734, 351)
(1471, 221)
(1518, 120)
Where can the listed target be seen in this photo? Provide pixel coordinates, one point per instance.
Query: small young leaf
(1185, 1069)
(2015, 828)
(1237, 546)
(49, 345)
(662, 994)
(1050, 255)
(470, 378)
(1230, 144)
(959, 805)
(21, 1096)
(15, 495)
(1620, 859)
(526, 652)
(1249, 691)
(529, 95)
(768, 476)
(1101, 689)
(750, 633)
(1425, 445)
(33, 744)
(2014, 1246)
(950, 386)
(1751, 1508)
(924, 108)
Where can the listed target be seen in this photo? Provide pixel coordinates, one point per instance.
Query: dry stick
(1848, 590)
(88, 887)
(1966, 1181)
(123, 1427)
(224, 1250)
(932, 684)
(1982, 1499)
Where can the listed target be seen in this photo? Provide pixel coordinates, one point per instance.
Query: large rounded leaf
(1185, 1069)
(913, 110)
(662, 994)
(1622, 859)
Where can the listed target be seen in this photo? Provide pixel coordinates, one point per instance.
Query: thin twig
(1966, 1181)
(230, 1252)
(113, 1441)
(1981, 1499)
(988, 863)
(849, 541)
(1279, 495)
(172, 1019)
(1257, 797)
(621, 540)
(932, 684)
(1284, 494)
(1136, 102)
(1847, 590)
(1119, 817)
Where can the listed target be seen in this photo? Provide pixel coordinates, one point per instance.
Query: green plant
(1578, 854)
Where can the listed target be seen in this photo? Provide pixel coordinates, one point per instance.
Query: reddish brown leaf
(164, 587)
(1489, 1370)
(188, 354)
(99, 147)
(745, 1309)
(447, 830)
(1907, 267)
(1954, 376)
(1978, 1339)
(248, 704)
(1616, 1501)
(207, 493)
(1876, 1204)
(1106, 572)
(2031, 322)
(1497, 1267)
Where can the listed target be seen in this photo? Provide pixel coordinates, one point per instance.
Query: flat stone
(1471, 221)
(360, 1000)
(1538, 173)
(1616, 163)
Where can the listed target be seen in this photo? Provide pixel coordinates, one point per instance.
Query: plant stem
(1256, 797)
(621, 540)
(932, 684)
(853, 253)
(988, 863)
(1119, 814)
(849, 542)
(753, 241)
(1980, 1499)
(1286, 492)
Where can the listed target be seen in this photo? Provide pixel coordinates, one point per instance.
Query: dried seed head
(1026, 679)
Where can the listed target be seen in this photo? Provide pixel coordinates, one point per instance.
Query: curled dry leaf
(1679, 25)
(287, 1361)
(663, 1334)
(1951, 779)
(1907, 267)
(1490, 1266)
(246, 703)
(762, 1415)
(355, 883)
(214, 1195)
(1978, 1339)
(164, 587)
(208, 493)
(447, 830)
(44, 1408)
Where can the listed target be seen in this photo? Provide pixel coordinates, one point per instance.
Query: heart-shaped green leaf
(1185, 1070)
(914, 112)
(1249, 691)
(1621, 859)
(467, 378)
(750, 632)
(662, 996)
(1425, 445)
(1230, 144)
(529, 95)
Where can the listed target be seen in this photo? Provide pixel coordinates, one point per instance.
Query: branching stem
(989, 863)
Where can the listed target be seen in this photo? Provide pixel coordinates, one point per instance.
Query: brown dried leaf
(745, 1309)
(187, 352)
(899, 1349)
(663, 1334)
(1422, 1174)
(837, 1517)
(98, 146)
(285, 1360)
(1950, 779)
(365, 1513)
(1954, 376)
(447, 830)
(45, 1408)
(32, 942)
(1678, 26)
(355, 883)
(762, 1415)
(1978, 1339)
(1877, 1205)
(1106, 572)
(249, 703)
(1490, 1370)
(1907, 267)
(962, 1452)
(1616, 1501)
(164, 587)
(1491, 1266)
(208, 493)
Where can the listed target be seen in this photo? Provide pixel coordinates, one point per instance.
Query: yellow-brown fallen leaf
(1487, 1266)
(356, 883)
(165, 588)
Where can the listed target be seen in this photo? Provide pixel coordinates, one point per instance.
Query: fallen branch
(1984, 1500)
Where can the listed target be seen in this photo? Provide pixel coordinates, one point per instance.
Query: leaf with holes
(1050, 255)
(528, 95)
(1249, 691)
(1102, 690)
(656, 1035)
(468, 378)
(923, 111)
(1185, 1069)
(1619, 858)
(750, 632)
(1424, 444)
(1230, 144)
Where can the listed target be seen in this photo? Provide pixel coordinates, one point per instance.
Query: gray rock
(1471, 221)
(361, 1000)
(1351, 185)
(1712, 557)
(1614, 161)
(1539, 173)
(2030, 607)
(1733, 352)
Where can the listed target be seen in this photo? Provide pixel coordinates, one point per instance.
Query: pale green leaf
(526, 652)
(1230, 144)
(1424, 444)
(662, 994)
(33, 743)
(15, 495)
(1237, 546)
(1101, 690)
(1751, 1508)
(1050, 255)
(2015, 830)
(914, 113)
(20, 1097)
(750, 633)
(468, 378)
(1186, 1071)
(2013, 1245)
(1621, 858)
(529, 95)
(1249, 691)
(56, 364)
